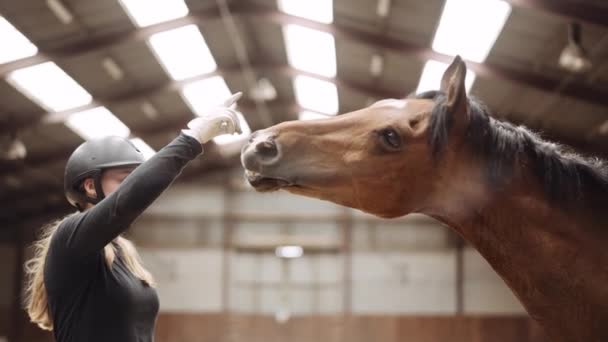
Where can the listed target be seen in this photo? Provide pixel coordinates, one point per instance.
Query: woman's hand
(216, 121)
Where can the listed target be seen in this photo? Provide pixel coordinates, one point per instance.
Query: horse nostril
(266, 149)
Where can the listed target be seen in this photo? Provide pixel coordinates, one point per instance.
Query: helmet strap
(98, 189)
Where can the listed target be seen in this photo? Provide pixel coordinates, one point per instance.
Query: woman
(86, 282)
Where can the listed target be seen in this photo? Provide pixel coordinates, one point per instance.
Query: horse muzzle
(259, 157)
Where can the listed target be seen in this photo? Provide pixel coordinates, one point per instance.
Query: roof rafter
(376, 40)
(173, 86)
(570, 10)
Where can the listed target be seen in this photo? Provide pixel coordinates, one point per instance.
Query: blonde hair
(36, 300)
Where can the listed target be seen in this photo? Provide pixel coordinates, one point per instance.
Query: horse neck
(548, 256)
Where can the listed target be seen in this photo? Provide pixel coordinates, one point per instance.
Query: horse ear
(453, 85)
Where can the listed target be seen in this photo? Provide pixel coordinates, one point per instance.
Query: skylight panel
(432, 74)
(317, 10)
(145, 12)
(316, 95)
(97, 123)
(469, 28)
(183, 52)
(50, 87)
(14, 44)
(310, 50)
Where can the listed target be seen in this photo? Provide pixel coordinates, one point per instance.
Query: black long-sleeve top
(88, 300)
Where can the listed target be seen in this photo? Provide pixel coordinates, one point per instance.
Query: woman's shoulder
(63, 264)
(66, 227)
(66, 234)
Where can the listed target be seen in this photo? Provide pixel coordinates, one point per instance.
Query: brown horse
(534, 211)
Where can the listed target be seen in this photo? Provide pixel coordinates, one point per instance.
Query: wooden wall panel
(504, 329)
(207, 327)
(189, 327)
(210, 327)
(372, 328)
(434, 329)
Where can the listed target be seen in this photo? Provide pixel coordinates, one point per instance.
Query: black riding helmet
(90, 159)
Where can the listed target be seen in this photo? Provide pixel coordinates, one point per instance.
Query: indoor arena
(304, 170)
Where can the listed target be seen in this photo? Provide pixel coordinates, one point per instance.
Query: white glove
(216, 121)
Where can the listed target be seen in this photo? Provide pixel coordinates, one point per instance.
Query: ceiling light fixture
(574, 57)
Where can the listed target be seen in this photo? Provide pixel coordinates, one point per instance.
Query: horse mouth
(263, 183)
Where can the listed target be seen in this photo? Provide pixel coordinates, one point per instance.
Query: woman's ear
(89, 188)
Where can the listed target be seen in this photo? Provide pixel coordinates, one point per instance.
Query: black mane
(568, 179)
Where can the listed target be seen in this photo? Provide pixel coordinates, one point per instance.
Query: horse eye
(391, 138)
